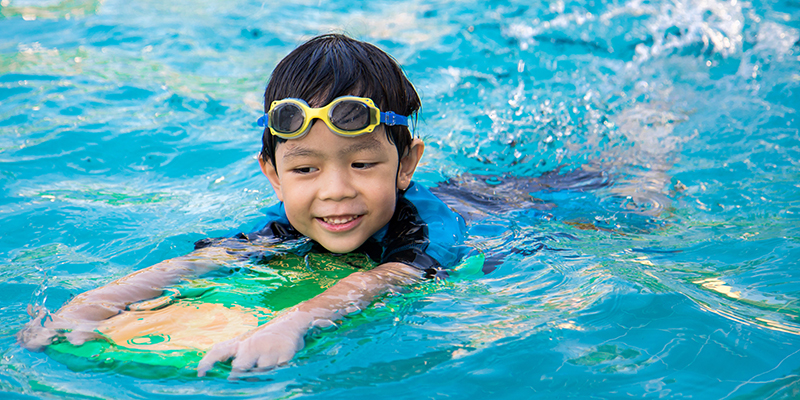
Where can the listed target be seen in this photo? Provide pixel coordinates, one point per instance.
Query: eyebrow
(300, 151)
(369, 143)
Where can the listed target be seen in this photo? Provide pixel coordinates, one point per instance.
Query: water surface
(127, 132)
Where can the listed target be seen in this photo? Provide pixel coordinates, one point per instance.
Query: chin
(339, 248)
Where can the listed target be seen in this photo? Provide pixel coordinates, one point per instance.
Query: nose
(337, 185)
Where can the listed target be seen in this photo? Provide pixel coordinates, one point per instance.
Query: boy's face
(338, 190)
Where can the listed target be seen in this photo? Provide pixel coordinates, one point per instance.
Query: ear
(269, 171)
(408, 164)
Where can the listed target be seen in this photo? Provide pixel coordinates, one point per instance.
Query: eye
(303, 170)
(362, 165)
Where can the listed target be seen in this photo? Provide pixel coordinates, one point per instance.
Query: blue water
(127, 132)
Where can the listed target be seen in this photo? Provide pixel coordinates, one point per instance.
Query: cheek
(295, 202)
(384, 195)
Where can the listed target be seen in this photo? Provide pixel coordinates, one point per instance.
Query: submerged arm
(277, 341)
(78, 318)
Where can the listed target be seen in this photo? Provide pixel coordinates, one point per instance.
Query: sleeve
(273, 228)
(424, 233)
(275, 224)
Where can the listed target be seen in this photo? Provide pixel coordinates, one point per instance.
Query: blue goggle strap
(389, 118)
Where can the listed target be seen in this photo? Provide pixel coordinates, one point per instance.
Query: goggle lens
(350, 115)
(288, 118)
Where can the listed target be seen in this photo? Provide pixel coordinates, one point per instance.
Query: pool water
(127, 132)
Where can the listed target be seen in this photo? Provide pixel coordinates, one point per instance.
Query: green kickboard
(168, 336)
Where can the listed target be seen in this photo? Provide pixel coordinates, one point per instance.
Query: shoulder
(275, 225)
(426, 224)
(434, 211)
(273, 213)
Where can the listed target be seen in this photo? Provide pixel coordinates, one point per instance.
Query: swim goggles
(346, 116)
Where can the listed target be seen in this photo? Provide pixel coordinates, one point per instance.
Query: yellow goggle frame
(374, 117)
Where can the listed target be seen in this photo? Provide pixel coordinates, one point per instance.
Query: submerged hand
(259, 349)
(45, 328)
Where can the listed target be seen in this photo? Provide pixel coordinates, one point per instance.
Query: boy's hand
(277, 341)
(45, 328)
(75, 321)
(78, 320)
(261, 348)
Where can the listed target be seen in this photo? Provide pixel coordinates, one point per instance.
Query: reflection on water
(630, 170)
(30, 11)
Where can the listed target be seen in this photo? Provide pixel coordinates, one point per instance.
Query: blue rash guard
(423, 233)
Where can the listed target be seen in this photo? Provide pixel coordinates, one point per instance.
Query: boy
(338, 153)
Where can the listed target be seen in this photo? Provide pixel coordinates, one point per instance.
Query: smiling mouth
(340, 222)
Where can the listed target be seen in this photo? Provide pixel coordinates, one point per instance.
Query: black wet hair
(334, 65)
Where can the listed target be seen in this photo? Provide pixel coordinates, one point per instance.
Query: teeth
(338, 220)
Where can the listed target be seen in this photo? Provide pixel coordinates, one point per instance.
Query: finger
(267, 361)
(244, 361)
(36, 311)
(37, 321)
(34, 336)
(58, 323)
(220, 352)
(78, 338)
(284, 358)
(235, 375)
(262, 364)
(273, 359)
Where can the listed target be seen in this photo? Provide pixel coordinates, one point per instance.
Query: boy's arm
(277, 341)
(424, 233)
(78, 318)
